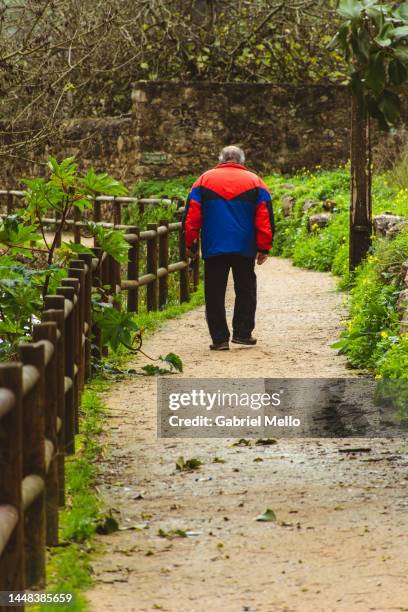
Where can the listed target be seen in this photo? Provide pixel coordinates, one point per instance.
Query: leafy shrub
(371, 338)
(170, 188)
(373, 319)
(32, 263)
(394, 363)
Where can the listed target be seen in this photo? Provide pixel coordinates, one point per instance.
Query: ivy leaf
(117, 327)
(82, 203)
(350, 9)
(14, 233)
(40, 197)
(174, 361)
(77, 248)
(111, 241)
(102, 183)
(63, 175)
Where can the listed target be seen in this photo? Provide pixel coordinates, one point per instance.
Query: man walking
(232, 208)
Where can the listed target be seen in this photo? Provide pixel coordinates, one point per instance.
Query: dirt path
(340, 541)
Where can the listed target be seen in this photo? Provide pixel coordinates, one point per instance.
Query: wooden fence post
(48, 331)
(77, 229)
(164, 263)
(34, 465)
(54, 311)
(184, 273)
(96, 351)
(105, 271)
(96, 215)
(133, 270)
(152, 268)
(117, 212)
(74, 285)
(11, 470)
(97, 211)
(71, 396)
(77, 270)
(114, 280)
(87, 259)
(10, 204)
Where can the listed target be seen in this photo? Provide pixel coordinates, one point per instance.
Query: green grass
(68, 568)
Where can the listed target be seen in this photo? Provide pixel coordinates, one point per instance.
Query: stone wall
(179, 128)
(182, 126)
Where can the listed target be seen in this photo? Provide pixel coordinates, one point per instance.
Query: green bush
(394, 363)
(170, 188)
(373, 322)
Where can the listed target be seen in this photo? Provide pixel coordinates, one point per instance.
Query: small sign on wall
(154, 157)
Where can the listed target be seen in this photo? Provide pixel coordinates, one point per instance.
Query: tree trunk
(361, 203)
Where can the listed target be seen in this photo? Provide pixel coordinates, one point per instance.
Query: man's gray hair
(232, 154)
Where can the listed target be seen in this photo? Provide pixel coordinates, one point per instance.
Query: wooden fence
(40, 394)
(39, 406)
(158, 266)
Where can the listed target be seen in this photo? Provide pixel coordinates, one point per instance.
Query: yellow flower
(384, 334)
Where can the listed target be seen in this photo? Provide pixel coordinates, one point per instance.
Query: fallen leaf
(242, 442)
(218, 460)
(135, 527)
(172, 533)
(187, 465)
(267, 517)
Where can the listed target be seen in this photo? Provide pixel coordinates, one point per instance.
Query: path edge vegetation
(371, 337)
(69, 564)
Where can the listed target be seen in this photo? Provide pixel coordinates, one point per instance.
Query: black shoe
(220, 346)
(250, 341)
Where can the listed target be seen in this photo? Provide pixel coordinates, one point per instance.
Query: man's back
(232, 207)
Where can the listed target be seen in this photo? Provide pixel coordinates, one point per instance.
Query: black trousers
(216, 272)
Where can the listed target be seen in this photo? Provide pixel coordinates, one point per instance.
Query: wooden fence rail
(40, 394)
(116, 204)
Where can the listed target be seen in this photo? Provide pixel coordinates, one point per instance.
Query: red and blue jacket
(232, 207)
